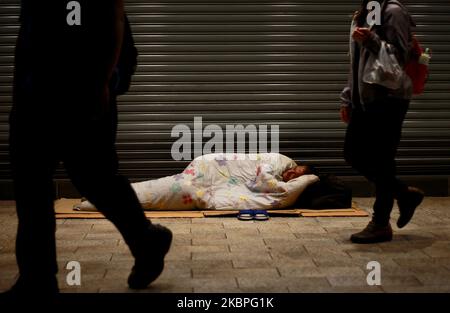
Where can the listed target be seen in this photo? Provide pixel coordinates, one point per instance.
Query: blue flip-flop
(245, 215)
(260, 215)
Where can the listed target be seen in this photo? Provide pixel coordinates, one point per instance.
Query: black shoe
(407, 204)
(373, 233)
(149, 257)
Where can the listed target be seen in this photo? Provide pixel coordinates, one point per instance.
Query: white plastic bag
(383, 69)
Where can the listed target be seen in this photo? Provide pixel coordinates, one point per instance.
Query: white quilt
(224, 182)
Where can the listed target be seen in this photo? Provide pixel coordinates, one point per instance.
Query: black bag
(328, 193)
(127, 63)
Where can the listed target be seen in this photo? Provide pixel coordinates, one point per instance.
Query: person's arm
(396, 29)
(346, 102)
(118, 28)
(107, 36)
(346, 97)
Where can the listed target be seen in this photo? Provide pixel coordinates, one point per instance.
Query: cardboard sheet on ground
(64, 210)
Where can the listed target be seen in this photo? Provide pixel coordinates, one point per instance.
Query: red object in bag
(417, 67)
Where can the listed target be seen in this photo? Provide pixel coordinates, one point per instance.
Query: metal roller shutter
(253, 62)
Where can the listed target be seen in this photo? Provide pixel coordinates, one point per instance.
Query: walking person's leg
(95, 175)
(379, 137)
(33, 163)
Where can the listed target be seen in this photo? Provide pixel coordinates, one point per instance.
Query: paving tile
(405, 262)
(345, 281)
(302, 222)
(88, 249)
(337, 289)
(295, 284)
(199, 264)
(183, 230)
(176, 254)
(219, 289)
(305, 271)
(235, 223)
(209, 236)
(168, 221)
(339, 261)
(241, 226)
(241, 233)
(249, 248)
(255, 240)
(261, 283)
(399, 280)
(102, 236)
(85, 227)
(199, 241)
(264, 289)
(88, 243)
(417, 289)
(285, 236)
(395, 270)
(70, 235)
(429, 269)
(207, 226)
(182, 239)
(315, 241)
(279, 242)
(230, 256)
(289, 254)
(276, 228)
(312, 229)
(438, 250)
(209, 220)
(203, 232)
(342, 271)
(328, 251)
(87, 221)
(234, 272)
(211, 283)
(380, 256)
(80, 289)
(253, 263)
(93, 256)
(211, 248)
(433, 278)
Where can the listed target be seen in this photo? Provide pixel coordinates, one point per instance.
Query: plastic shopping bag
(383, 69)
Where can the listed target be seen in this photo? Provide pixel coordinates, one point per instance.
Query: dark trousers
(39, 140)
(371, 142)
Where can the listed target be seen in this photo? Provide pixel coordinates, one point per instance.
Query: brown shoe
(407, 204)
(372, 234)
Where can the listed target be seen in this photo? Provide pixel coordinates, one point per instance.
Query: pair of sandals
(248, 215)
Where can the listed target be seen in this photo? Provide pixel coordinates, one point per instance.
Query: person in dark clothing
(375, 116)
(62, 76)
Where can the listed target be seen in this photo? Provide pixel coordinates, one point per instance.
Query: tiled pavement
(280, 255)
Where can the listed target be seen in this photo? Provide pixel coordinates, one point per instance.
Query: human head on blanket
(297, 171)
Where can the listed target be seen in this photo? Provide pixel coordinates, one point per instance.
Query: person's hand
(345, 114)
(361, 34)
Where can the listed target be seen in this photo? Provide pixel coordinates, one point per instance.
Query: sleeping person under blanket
(226, 182)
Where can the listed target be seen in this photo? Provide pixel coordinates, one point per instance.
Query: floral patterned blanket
(224, 182)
